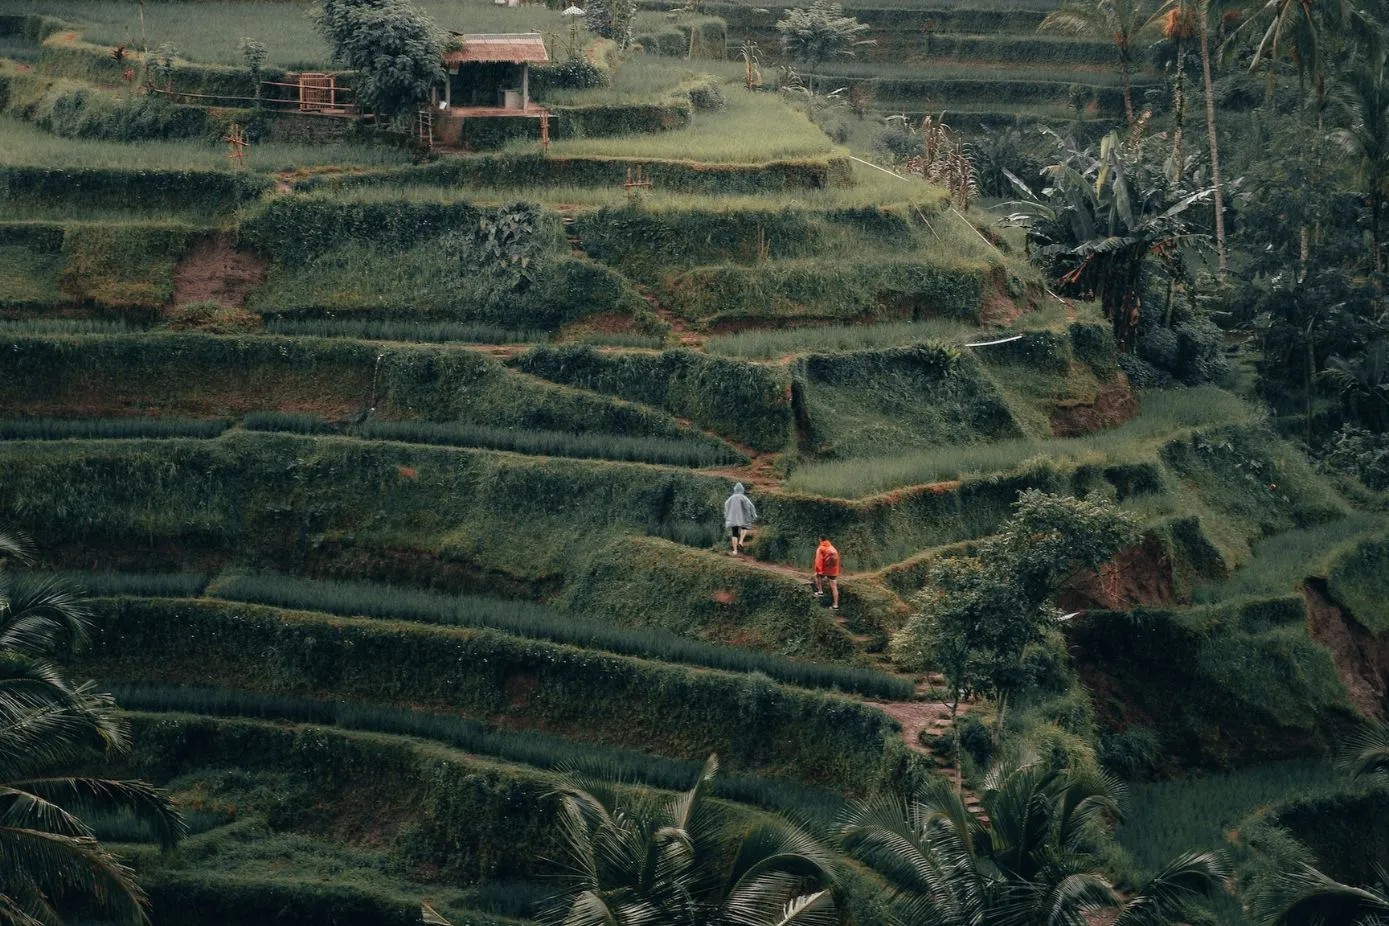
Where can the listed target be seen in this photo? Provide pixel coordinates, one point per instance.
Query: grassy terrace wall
(861, 403)
(812, 289)
(747, 402)
(214, 376)
(320, 505)
(1253, 685)
(507, 808)
(536, 170)
(483, 675)
(121, 189)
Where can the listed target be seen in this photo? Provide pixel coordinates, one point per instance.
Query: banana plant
(1106, 219)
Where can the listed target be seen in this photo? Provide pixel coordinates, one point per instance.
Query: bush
(1360, 454)
(1132, 753)
(117, 266)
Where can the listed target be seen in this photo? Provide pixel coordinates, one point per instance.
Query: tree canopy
(395, 48)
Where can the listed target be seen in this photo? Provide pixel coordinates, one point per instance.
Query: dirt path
(212, 270)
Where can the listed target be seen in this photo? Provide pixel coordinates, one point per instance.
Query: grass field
(28, 145)
(749, 130)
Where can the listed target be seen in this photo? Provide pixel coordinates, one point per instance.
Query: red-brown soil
(1114, 405)
(1362, 660)
(214, 271)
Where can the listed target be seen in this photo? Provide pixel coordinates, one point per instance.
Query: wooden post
(545, 133)
(525, 86)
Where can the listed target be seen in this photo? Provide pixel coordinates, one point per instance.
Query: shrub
(118, 266)
(1131, 753)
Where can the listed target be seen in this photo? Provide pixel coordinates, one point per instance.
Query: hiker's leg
(819, 588)
(733, 540)
(834, 591)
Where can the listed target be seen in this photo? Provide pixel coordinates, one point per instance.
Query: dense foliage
(393, 46)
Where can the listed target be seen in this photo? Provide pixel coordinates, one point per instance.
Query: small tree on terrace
(1118, 20)
(980, 613)
(395, 49)
(819, 34)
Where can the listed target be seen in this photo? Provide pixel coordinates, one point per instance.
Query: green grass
(23, 143)
(28, 277)
(753, 128)
(645, 79)
(556, 443)
(1165, 819)
(399, 330)
(141, 584)
(871, 188)
(43, 327)
(1280, 564)
(1163, 415)
(771, 344)
(540, 750)
(360, 599)
(107, 428)
(669, 452)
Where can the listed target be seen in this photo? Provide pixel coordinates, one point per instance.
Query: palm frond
(87, 797)
(1367, 752)
(1181, 881)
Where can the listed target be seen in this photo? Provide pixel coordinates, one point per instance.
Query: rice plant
(663, 451)
(753, 128)
(286, 421)
(770, 344)
(399, 330)
(364, 599)
(42, 327)
(26, 144)
(1164, 414)
(541, 750)
(108, 428)
(556, 443)
(141, 584)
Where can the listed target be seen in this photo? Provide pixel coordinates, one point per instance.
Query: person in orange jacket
(827, 570)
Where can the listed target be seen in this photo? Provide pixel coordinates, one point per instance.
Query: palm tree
(50, 859)
(1364, 96)
(1368, 753)
(641, 860)
(1306, 897)
(1118, 20)
(1033, 863)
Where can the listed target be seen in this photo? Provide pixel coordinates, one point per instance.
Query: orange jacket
(821, 569)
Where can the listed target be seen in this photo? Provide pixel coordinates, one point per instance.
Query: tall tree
(981, 612)
(395, 48)
(819, 34)
(1204, 31)
(1035, 862)
(1363, 95)
(1118, 20)
(636, 860)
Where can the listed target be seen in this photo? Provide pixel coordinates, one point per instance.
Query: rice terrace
(694, 463)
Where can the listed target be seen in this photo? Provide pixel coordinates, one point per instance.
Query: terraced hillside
(359, 503)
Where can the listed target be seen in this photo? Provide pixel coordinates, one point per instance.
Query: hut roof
(514, 47)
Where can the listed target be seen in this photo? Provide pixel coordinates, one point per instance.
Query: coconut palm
(1307, 897)
(1033, 863)
(1118, 20)
(640, 860)
(1368, 752)
(1363, 96)
(50, 859)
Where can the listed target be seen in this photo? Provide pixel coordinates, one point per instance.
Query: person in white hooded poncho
(738, 515)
